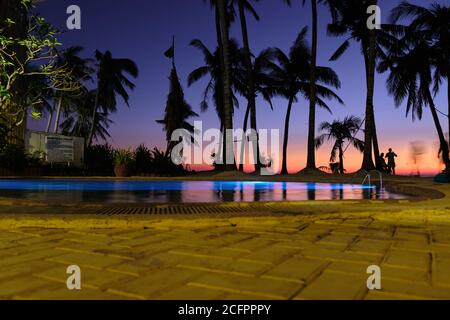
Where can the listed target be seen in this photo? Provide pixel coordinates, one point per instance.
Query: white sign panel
(59, 149)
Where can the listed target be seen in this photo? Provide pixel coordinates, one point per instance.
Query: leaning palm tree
(177, 111)
(410, 78)
(341, 132)
(434, 24)
(111, 81)
(291, 73)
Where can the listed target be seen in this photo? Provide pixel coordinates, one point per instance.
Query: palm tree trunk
(341, 159)
(284, 169)
(376, 149)
(442, 141)
(448, 98)
(251, 91)
(227, 94)
(311, 161)
(94, 116)
(369, 124)
(220, 149)
(58, 115)
(50, 119)
(241, 162)
(218, 33)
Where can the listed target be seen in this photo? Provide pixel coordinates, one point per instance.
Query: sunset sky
(142, 30)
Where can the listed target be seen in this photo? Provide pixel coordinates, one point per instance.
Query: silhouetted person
(384, 166)
(391, 161)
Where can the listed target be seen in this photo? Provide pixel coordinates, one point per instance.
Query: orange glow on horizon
(428, 164)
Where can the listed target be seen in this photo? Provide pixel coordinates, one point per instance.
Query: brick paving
(319, 257)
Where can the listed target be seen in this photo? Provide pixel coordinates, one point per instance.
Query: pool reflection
(109, 191)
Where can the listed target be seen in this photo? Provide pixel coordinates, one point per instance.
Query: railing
(368, 177)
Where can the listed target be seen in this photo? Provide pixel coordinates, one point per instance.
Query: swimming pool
(115, 191)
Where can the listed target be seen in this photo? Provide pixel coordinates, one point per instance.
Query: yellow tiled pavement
(290, 257)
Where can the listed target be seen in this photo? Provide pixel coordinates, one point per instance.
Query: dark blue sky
(142, 30)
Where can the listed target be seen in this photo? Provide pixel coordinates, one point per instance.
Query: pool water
(113, 191)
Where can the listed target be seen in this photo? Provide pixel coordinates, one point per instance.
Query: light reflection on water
(111, 191)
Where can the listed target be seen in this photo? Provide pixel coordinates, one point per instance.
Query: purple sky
(142, 30)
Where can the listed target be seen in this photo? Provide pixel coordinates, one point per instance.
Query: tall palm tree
(228, 155)
(291, 73)
(111, 81)
(340, 132)
(434, 24)
(351, 19)
(177, 110)
(410, 78)
(311, 158)
(224, 15)
(250, 93)
(230, 16)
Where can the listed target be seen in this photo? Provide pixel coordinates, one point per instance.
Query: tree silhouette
(433, 23)
(177, 110)
(78, 119)
(340, 132)
(351, 20)
(80, 71)
(410, 78)
(311, 157)
(111, 81)
(291, 73)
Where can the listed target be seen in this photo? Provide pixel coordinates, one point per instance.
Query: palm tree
(434, 24)
(230, 16)
(177, 111)
(211, 67)
(214, 89)
(292, 77)
(311, 158)
(79, 71)
(410, 79)
(340, 132)
(111, 81)
(250, 92)
(78, 120)
(351, 19)
(228, 155)
(263, 85)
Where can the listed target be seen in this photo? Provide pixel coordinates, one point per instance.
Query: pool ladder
(368, 177)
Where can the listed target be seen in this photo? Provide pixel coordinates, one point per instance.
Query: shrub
(123, 157)
(3, 134)
(99, 160)
(143, 160)
(15, 160)
(162, 164)
(13, 157)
